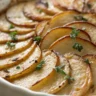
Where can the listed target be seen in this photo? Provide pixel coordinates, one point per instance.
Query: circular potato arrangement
(50, 46)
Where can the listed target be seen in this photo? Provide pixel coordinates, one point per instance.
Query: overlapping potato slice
(92, 61)
(56, 82)
(82, 77)
(4, 4)
(40, 27)
(45, 30)
(90, 29)
(62, 19)
(58, 33)
(48, 7)
(5, 37)
(17, 58)
(86, 6)
(37, 14)
(19, 46)
(68, 4)
(25, 67)
(67, 17)
(15, 15)
(8, 27)
(66, 45)
(51, 60)
(90, 18)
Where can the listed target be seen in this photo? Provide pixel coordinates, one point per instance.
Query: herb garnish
(80, 18)
(46, 4)
(11, 26)
(78, 47)
(70, 79)
(18, 67)
(87, 61)
(10, 44)
(89, 6)
(37, 38)
(40, 10)
(60, 70)
(40, 65)
(74, 33)
(13, 35)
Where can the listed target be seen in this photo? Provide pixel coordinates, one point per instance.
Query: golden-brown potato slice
(15, 15)
(62, 19)
(19, 46)
(17, 58)
(82, 77)
(92, 61)
(68, 4)
(36, 14)
(25, 67)
(88, 27)
(40, 27)
(45, 30)
(58, 33)
(8, 27)
(4, 4)
(56, 82)
(48, 7)
(5, 37)
(67, 44)
(51, 60)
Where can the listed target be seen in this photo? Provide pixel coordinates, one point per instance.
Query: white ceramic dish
(8, 89)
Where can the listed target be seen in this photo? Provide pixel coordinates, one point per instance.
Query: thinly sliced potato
(40, 27)
(82, 77)
(68, 4)
(4, 4)
(65, 45)
(56, 82)
(17, 58)
(62, 19)
(19, 46)
(8, 27)
(15, 15)
(45, 30)
(58, 33)
(59, 21)
(51, 60)
(36, 14)
(85, 6)
(92, 61)
(4, 37)
(48, 7)
(90, 18)
(79, 5)
(25, 67)
(88, 27)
